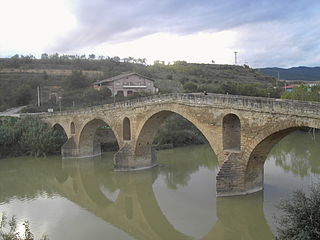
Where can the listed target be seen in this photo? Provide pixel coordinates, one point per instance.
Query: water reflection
(173, 201)
(298, 153)
(127, 200)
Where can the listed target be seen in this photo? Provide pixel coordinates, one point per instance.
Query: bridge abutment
(126, 158)
(70, 149)
(232, 178)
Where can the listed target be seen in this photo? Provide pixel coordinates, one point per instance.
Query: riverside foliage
(304, 93)
(28, 136)
(8, 230)
(301, 218)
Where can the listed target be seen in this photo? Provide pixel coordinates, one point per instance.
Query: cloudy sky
(282, 33)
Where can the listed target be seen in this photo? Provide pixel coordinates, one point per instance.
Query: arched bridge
(240, 130)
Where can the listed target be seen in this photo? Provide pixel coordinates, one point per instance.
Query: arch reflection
(127, 200)
(298, 153)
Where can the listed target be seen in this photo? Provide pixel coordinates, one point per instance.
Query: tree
(23, 95)
(190, 87)
(115, 59)
(77, 80)
(9, 231)
(105, 93)
(44, 56)
(301, 218)
(303, 93)
(37, 138)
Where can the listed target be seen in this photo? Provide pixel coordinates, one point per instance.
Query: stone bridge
(240, 130)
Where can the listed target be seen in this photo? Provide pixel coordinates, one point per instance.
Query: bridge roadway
(240, 130)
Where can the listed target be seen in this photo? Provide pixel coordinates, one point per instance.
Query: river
(86, 199)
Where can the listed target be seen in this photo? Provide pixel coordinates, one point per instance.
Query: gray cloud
(288, 28)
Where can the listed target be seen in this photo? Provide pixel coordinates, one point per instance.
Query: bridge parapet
(260, 104)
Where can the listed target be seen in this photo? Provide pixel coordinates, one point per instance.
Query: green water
(86, 199)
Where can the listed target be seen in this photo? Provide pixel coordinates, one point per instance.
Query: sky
(264, 33)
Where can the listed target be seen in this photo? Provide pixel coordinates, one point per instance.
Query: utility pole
(38, 92)
(114, 95)
(235, 58)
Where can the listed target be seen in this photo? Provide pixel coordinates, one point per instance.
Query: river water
(86, 199)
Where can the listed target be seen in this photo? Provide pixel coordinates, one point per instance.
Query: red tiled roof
(291, 86)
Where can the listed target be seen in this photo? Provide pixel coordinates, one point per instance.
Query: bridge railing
(218, 100)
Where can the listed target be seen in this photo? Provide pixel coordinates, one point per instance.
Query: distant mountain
(294, 73)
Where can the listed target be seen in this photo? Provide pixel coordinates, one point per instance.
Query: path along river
(86, 199)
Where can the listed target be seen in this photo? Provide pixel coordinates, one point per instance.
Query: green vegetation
(8, 230)
(28, 136)
(178, 131)
(303, 93)
(65, 80)
(301, 216)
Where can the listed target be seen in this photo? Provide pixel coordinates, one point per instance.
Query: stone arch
(231, 130)
(60, 127)
(72, 128)
(126, 129)
(88, 144)
(149, 129)
(260, 148)
(64, 136)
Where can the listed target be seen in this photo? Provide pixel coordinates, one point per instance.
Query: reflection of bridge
(240, 130)
(136, 211)
(134, 208)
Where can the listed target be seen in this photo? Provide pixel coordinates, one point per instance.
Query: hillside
(294, 73)
(20, 76)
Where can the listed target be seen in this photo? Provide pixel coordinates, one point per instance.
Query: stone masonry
(240, 130)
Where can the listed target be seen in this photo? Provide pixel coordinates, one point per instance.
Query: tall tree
(77, 80)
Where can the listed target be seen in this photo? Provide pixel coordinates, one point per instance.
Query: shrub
(190, 87)
(37, 138)
(28, 135)
(301, 218)
(8, 230)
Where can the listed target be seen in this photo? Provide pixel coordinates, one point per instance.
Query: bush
(190, 87)
(37, 138)
(301, 218)
(8, 230)
(77, 80)
(28, 136)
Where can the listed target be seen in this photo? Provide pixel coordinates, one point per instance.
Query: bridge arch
(231, 129)
(149, 128)
(88, 144)
(59, 127)
(261, 147)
